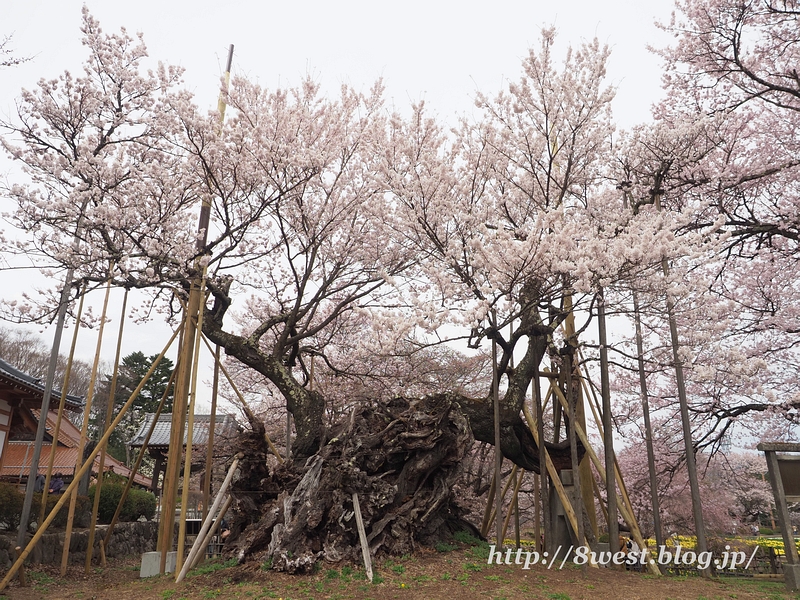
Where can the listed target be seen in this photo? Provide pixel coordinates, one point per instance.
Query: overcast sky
(440, 52)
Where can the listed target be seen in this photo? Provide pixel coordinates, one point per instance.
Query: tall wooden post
(498, 453)
(544, 494)
(648, 429)
(84, 430)
(101, 467)
(193, 307)
(210, 444)
(608, 432)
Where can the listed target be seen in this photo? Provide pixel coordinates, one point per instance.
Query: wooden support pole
(488, 512)
(211, 532)
(498, 453)
(40, 531)
(177, 427)
(23, 580)
(514, 495)
(209, 518)
(623, 501)
(101, 467)
(245, 406)
(87, 412)
(139, 458)
(539, 428)
(537, 526)
(648, 429)
(502, 497)
(210, 444)
(551, 469)
(608, 432)
(573, 447)
(362, 537)
(187, 467)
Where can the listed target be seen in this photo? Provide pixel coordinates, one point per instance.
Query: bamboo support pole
(537, 523)
(551, 469)
(187, 467)
(538, 406)
(599, 497)
(62, 402)
(166, 532)
(245, 406)
(23, 580)
(502, 497)
(624, 504)
(138, 462)
(514, 495)
(362, 537)
(498, 453)
(87, 411)
(210, 443)
(212, 531)
(112, 390)
(487, 513)
(209, 518)
(573, 447)
(40, 531)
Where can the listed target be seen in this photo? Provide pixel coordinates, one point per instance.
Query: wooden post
(543, 489)
(101, 466)
(362, 536)
(623, 502)
(517, 478)
(562, 494)
(498, 453)
(487, 514)
(23, 580)
(506, 486)
(210, 443)
(139, 458)
(84, 430)
(244, 404)
(40, 531)
(187, 468)
(537, 528)
(648, 430)
(608, 432)
(573, 447)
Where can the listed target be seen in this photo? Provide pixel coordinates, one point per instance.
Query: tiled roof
(32, 388)
(17, 460)
(225, 425)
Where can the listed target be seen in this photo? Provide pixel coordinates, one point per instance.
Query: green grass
(212, 567)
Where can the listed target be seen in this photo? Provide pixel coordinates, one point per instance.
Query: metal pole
(62, 402)
(42, 427)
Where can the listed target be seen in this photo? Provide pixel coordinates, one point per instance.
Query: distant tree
(131, 371)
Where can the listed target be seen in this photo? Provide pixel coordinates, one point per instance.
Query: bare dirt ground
(460, 574)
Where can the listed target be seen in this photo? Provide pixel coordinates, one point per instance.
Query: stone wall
(128, 539)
